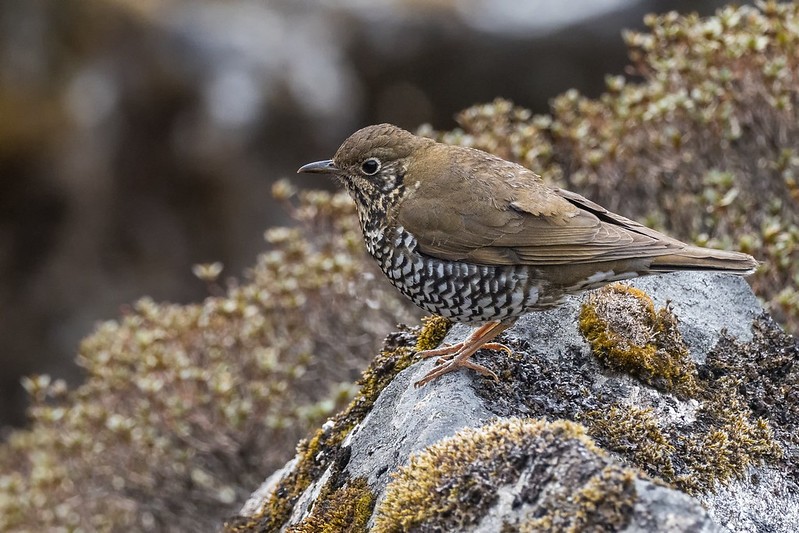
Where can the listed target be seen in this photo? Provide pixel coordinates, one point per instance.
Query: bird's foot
(451, 358)
(447, 351)
(445, 366)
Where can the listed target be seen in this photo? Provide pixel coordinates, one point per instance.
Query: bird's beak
(319, 167)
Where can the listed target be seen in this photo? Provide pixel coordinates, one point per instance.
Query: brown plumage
(478, 239)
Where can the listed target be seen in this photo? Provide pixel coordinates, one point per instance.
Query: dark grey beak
(319, 167)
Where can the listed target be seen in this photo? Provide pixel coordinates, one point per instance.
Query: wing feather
(495, 212)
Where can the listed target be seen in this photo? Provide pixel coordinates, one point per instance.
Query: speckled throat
(460, 291)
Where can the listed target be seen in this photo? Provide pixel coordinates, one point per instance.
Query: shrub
(187, 408)
(704, 146)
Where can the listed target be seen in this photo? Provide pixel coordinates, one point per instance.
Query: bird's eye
(370, 166)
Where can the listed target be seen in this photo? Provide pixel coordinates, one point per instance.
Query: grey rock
(706, 303)
(665, 510)
(556, 376)
(762, 502)
(405, 420)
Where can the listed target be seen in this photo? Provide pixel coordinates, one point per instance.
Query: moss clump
(764, 374)
(720, 444)
(695, 443)
(628, 335)
(450, 484)
(724, 438)
(434, 330)
(346, 510)
(728, 442)
(635, 433)
(704, 146)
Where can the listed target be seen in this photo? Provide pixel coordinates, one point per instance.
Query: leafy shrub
(705, 146)
(187, 408)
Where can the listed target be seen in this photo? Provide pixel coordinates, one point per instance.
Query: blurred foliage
(186, 408)
(706, 147)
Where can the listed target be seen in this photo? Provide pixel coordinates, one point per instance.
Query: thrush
(481, 240)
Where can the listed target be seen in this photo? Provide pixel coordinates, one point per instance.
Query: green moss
(742, 412)
(634, 432)
(720, 444)
(450, 484)
(628, 335)
(434, 330)
(380, 373)
(765, 374)
(730, 441)
(346, 510)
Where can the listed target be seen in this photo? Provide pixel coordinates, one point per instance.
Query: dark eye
(370, 166)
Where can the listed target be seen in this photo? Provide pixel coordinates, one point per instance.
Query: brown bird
(480, 240)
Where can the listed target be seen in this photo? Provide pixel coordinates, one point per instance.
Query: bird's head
(372, 164)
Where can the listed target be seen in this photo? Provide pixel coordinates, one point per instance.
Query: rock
(695, 433)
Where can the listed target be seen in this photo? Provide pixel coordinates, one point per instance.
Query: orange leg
(457, 356)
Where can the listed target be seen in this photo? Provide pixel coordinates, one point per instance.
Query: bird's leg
(457, 356)
(448, 352)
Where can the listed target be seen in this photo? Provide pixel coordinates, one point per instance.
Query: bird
(482, 241)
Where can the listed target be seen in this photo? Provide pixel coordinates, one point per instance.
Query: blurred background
(140, 137)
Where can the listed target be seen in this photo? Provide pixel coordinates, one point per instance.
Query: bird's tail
(696, 258)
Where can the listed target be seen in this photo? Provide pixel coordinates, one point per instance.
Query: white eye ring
(371, 166)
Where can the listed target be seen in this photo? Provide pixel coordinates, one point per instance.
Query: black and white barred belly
(459, 291)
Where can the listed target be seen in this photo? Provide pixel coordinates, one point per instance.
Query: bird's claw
(496, 346)
(448, 366)
(449, 362)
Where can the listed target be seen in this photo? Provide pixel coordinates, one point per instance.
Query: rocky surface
(564, 441)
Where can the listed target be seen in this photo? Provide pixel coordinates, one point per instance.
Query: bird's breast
(461, 291)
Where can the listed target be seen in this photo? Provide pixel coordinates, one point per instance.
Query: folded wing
(497, 213)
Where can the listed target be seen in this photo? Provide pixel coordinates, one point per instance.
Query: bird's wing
(493, 212)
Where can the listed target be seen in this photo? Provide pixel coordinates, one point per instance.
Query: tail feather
(696, 258)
